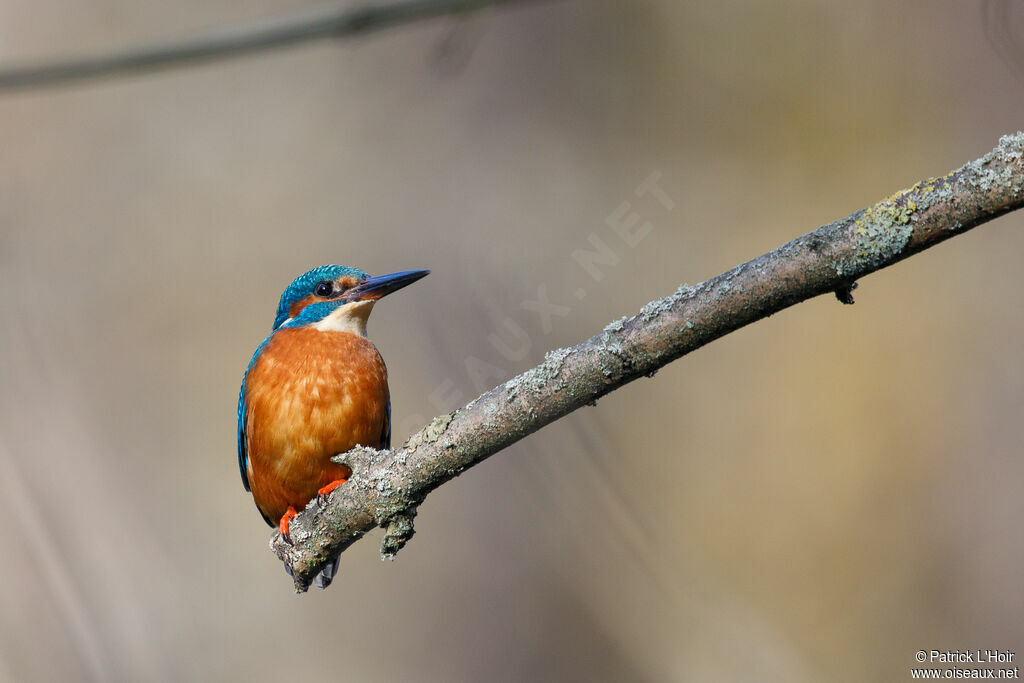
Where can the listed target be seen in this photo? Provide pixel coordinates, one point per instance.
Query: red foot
(285, 520)
(321, 495)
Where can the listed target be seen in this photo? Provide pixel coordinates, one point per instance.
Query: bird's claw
(324, 493)
(283, 526)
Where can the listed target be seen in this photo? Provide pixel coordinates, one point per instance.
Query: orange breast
(309, 396)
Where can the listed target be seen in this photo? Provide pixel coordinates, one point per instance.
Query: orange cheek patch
(297, 307)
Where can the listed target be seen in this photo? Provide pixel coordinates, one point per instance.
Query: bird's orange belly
(309, 396)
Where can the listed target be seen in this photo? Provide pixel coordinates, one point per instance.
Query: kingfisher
(316, 387)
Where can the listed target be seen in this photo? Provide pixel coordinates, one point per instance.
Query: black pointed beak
(382, 285)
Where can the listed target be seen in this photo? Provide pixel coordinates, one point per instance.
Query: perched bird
(316, 387)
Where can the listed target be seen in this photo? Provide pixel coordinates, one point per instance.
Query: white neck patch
(348, 318)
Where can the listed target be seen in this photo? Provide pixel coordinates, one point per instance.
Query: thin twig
(324, 23)
(386, 486)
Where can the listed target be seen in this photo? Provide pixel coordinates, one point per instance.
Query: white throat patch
(348, 318)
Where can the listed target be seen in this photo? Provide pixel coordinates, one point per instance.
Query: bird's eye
(324, 288)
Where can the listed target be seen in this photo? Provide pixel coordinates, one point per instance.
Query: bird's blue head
(318, 293)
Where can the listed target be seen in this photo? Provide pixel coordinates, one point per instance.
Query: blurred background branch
(386, 486)
(323, 23)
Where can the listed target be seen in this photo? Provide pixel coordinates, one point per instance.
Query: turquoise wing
(243, 456)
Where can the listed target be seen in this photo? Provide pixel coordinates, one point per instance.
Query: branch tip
(844, 292)
(397, 533)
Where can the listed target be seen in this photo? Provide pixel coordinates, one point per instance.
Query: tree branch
(386, 486)
(323, 23)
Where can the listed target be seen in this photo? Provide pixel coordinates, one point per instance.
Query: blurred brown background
(813, 498)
